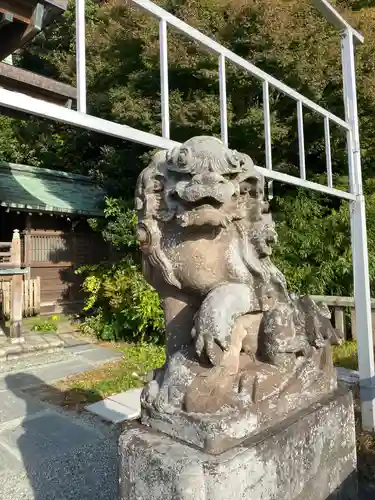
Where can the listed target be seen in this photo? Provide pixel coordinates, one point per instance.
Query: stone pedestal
(309, 456)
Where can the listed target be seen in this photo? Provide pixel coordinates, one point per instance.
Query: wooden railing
(343, 314)
(10, 266)
(5, 253)
(30, 300)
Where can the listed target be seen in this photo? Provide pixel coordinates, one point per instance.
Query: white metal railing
(164, 79)
(349, 37)
(165, 19)
(81, 55)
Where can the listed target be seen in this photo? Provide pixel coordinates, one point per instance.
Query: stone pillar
(17, 291)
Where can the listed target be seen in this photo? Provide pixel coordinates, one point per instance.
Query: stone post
(17, 292)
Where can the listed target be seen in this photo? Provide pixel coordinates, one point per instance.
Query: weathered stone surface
(242, 352)
(309, 456)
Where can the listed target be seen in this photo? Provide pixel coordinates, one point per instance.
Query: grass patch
(77, 391)
(30, 322)
(345, 355)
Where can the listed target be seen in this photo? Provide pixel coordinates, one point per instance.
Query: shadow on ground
(63, 454)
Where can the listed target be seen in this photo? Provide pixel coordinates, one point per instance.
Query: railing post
(17, 291)
(267, 133)
(359, 239)
(223, 100)
(164, 85)
(81, 55)
(340, 321)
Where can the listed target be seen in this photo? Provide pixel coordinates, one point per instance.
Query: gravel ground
(46, 452)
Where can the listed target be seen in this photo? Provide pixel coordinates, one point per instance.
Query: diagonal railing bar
(332, 16)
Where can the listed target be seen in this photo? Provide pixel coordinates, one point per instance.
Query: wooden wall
(53, 248)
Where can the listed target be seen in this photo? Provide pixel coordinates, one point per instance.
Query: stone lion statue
(241, 351)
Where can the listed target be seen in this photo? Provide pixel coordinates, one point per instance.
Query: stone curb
(347, 377)
(46, 345)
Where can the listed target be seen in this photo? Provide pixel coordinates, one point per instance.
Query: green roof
(40, 189)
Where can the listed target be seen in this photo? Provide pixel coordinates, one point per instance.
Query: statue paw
(248, 387)
(210, 346)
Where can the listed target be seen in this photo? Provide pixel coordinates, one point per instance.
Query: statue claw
(211, 347)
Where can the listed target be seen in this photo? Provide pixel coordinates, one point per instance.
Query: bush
(121, 304)
(45, 326)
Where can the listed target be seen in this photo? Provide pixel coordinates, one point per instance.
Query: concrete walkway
(47, 453)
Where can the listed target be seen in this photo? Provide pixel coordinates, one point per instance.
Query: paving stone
(43, 358)
(101, 355)
(129, 399)
(77, 349)
(7, 461)
(53, 340)
(13, 407)
(34, 338)
(32, 377)
(34, 344)
(112, 411)
(70, 339)
(42, 437)
(61, 370)
(13, 349)
(17, 381)
(3, 340)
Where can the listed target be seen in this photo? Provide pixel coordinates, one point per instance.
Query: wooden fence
(31, 297)
(342, 308)
(343, 314)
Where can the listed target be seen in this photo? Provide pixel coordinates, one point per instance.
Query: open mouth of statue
(206, 202)
(196, 194)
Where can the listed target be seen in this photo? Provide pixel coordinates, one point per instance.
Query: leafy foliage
(45, 326)
(121, 303)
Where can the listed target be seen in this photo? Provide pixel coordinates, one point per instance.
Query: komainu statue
(242, 352)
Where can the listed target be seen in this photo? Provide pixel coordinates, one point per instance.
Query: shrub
(45, 326)
(121, 304)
